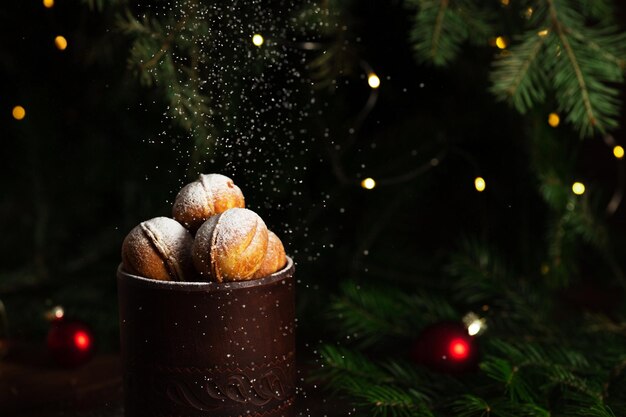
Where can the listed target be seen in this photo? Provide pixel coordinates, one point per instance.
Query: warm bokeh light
(459, 349)
(474, 328)
(618, 152)
(501, 42)
(368, 183)
(554, 120)
(48, 4)
(60, 42)
(58, 312)
(257, 40)
(578, 188)
(18, 112)
(55, 313)
(543, 33)
(505, 2)
(373, 80)
(82, 340)
(474, 324)
(480, 184)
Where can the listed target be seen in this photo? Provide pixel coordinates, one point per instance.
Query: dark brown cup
(208, 349)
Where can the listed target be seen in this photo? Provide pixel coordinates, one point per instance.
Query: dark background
(90, 161)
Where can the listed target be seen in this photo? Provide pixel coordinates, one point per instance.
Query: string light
(474, 328)
(554, 120)
(48, 4)
(257, 40)
(60, 42)
(58, 312)
(18, 112)
(55, 313)
(618, 151)
(543, 33)
(368, 183)
(480, 184)
(501, 42)
(373, 80)
(578, 188)
(474, 324)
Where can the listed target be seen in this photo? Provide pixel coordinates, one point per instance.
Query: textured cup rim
(277, 276)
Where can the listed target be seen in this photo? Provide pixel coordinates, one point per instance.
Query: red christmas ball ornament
(70, 343)
(446, 347)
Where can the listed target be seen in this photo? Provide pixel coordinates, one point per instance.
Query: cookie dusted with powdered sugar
(209, 195)
(275, 257)
(230, 246)
(159, 248)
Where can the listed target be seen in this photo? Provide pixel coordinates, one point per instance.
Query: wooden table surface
(31, 386)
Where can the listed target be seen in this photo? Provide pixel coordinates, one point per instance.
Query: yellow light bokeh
(505, 2)
(501, 42)
(554, 120)
(18, 112)
(257, 40)
(543, 33)
(60, 42)
(368, 183)
(480, 184)
(578, 188)
(48, 4)
(618, 152)
(373, 80)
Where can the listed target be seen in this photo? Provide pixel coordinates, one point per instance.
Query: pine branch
(339, 362)
(436, 37)
(371, 386)
(478, 273)
(581, 64)
(99, 5)
(439, 30)
(582, 77)
(469, 405)
(577, 404)
(153, 61)
(599, 45)
(551, 366)
(598, 9)
(573, 60)
(515, 386)
(165, 46)
(472, 406)
(518, 77)
(386, 400)
(367, 313)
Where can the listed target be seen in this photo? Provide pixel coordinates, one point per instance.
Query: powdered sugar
(231, 245)
(190, 197)
(209, 195)
(171, 240)
(234, 226)
(203, 244)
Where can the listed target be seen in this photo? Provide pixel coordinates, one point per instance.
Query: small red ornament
(70, 343)
(446, 347)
